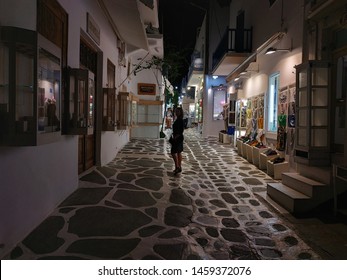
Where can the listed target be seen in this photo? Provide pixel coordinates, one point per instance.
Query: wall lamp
(273, 50)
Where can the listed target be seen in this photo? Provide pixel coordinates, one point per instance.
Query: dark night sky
(179, 23)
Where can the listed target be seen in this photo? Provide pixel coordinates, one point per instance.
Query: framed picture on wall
(145, 89)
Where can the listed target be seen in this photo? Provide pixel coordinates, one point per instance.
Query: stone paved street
(135, 208)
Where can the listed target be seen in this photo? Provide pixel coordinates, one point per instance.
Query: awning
(125, 19)
(253, 57)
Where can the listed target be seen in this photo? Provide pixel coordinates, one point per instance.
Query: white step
(303, 184)
(288, 198)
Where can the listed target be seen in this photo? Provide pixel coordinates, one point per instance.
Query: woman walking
(176, 140)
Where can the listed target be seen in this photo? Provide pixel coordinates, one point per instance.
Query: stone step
(303, 184)
(288, 198)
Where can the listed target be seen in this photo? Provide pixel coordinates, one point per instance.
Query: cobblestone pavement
(135, 208)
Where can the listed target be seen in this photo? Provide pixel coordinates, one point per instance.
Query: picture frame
(146, 89)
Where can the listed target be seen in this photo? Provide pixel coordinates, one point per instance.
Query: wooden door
(86, 143)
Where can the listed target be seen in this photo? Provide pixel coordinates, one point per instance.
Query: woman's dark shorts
(177, 148)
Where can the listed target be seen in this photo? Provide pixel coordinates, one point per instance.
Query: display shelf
(249, 149)
(128, 107)
(256, 154)
(275, 170)
(224, 138)
(149, 112)
(78, 109)
(239, 146)
(263, 159)
(244, 150)
(312, 141)
(109, 109)
(241, 117)
(30, 88)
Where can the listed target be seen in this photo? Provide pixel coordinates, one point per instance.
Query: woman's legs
(176, 153)
(175, 159)
(179, 160)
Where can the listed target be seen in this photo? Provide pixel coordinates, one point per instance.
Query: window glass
(48, 101)
(272, 101)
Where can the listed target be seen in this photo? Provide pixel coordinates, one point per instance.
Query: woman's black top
(177, 129)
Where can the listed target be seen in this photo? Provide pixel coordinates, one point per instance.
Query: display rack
(149, 112)
(312, 140)
(109, 109)
(30, 88)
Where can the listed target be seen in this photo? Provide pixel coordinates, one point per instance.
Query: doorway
(87, 142)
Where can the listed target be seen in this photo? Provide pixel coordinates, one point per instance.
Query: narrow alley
(135, 208)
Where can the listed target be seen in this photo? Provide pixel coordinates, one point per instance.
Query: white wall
(266, 20)
(34, 180)
(254, 86)
(211, 127)
(111, 142)
(18, 13)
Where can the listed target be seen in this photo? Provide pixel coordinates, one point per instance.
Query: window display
(48, 95)
(127, 103)
(219, 100)
(272, 101)
(30, 85)
(241, 117)
(109, 109)
(149, 112)
(134, 105)
(79, 102)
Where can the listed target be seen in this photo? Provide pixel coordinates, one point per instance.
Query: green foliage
(175, 98)
(169, 67)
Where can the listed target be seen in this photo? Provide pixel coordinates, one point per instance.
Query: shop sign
(146, 89)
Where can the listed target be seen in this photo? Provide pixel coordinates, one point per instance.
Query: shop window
(127, 117)
(30, 86)
(149, 112)
(109, 99)
(109, 109)
(48, 100)
(79, 103)
(272, 100)
(219, 99)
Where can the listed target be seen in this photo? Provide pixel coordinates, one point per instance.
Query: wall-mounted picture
(146, 89)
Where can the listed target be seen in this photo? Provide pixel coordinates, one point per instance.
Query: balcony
(233, 49)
